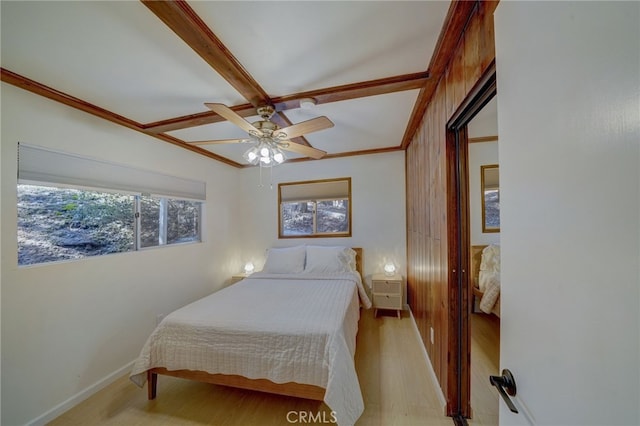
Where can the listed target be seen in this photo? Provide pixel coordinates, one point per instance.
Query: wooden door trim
(457, 229)
(458, 243)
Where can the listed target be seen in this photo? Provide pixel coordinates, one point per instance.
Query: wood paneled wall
(427, 250)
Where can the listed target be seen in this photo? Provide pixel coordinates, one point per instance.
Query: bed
(485, 282)
(290, 329)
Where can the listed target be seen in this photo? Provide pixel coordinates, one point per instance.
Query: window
(320, 208)
(71, 207)
(167, 221)
(61, 223)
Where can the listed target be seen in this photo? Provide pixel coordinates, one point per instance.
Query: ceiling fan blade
(219, 141)
(303, 149)
(313, 125)
(232, 116)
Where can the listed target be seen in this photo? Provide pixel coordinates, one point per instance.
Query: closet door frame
(459, 245)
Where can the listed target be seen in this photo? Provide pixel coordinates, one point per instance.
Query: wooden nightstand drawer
(387, 301)
(394, 287)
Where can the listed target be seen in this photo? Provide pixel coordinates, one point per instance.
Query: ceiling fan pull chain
(271, 177)
(261, 185)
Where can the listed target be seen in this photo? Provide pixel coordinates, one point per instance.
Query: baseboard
(80, 396)
(432, 373)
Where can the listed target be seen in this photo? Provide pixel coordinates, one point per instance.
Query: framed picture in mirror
(490, 187)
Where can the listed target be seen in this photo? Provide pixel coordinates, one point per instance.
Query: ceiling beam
(198, 150)
(345, 92)
(349, 154)
(40, 89)
(198, 119)
(183, 21)
(452, 30)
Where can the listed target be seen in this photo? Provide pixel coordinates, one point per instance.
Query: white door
(568, 77)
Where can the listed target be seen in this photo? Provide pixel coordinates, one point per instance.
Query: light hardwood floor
(485, 361)
(394, 377)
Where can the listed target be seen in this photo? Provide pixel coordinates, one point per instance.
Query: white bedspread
(285, 328)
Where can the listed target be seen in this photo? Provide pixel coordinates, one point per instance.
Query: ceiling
(151, 66)
(485, 124)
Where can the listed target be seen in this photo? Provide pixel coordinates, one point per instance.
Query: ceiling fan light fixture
(266, 153)
(252, 155)
(307, 103)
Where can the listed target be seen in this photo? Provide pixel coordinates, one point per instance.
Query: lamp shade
(248, 268)
(389, 269)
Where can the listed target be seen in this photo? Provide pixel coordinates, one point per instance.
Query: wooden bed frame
(263, 385)
(298, 390)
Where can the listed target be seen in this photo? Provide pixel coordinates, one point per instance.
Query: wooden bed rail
(298, 390)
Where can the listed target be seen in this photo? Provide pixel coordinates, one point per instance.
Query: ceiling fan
(269, 138)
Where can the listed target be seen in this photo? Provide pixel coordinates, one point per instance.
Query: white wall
(480, 154)
(69, 325)
(378, 207)
(569, 126)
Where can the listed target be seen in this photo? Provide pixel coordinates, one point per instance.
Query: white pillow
(323, 259)
(285, 260)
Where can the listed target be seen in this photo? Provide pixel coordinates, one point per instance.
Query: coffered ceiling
(151, 66)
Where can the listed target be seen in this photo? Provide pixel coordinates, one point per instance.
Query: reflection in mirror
(490, 187)
(318, 208)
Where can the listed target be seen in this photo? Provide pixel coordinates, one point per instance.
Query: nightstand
(388, 292)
